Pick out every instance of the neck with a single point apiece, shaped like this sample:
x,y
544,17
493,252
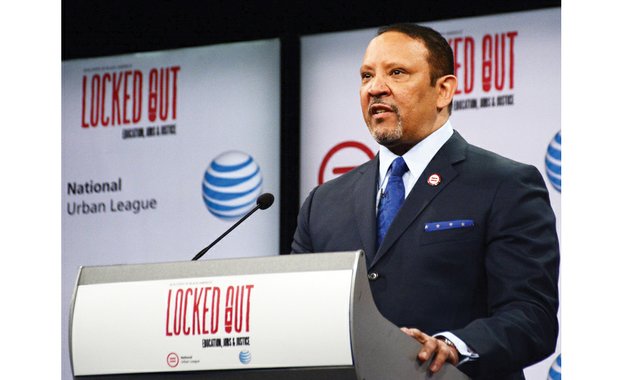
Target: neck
x,y
400,149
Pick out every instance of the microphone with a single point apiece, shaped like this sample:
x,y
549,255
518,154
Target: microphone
x,y
263,202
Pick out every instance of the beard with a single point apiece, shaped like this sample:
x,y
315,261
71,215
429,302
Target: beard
x,y
387,136
383,133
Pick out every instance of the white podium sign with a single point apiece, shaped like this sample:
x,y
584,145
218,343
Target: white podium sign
x,y
210,323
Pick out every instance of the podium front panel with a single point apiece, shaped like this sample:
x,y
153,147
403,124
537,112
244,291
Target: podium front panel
x,y
233,322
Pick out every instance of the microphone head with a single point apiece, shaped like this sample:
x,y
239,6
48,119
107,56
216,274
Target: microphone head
x,y
264,201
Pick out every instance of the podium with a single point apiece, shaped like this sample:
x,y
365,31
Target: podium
x,y
309,316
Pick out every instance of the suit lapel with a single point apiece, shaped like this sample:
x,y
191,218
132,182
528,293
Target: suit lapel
x,y
365,209
422,193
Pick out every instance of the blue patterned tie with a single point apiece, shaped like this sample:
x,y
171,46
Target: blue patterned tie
x,y
392,198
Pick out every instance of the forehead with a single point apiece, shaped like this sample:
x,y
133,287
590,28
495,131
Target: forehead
x,y
394,46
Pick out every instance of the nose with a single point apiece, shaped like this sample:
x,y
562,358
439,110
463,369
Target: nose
x,y
378,87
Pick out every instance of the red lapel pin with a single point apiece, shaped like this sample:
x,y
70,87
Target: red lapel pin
x,y
434,179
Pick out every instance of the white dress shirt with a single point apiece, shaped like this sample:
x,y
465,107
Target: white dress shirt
x,y
417,158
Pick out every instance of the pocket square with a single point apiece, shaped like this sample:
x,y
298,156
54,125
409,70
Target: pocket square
x,y
448,225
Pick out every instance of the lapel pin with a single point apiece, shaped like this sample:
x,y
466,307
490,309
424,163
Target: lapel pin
x,y
434,179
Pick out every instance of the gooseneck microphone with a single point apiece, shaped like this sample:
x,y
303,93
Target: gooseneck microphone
x,y
264,201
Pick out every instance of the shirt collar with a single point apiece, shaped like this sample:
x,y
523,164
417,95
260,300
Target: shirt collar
x,y
418,157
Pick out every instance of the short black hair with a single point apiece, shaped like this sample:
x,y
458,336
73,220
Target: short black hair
x,y
440,57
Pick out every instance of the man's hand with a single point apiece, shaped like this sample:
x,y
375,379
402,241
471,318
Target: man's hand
x,y
433,346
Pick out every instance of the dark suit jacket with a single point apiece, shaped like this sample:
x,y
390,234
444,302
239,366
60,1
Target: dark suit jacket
x,y
494,285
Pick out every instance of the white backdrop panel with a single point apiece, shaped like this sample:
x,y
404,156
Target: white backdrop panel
x,y
219,99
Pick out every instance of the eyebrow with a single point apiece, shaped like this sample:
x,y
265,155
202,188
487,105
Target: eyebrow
x,y
388,64
393,64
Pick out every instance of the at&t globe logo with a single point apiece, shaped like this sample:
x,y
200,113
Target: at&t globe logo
x,y
553,162
555,372
245,357
231,184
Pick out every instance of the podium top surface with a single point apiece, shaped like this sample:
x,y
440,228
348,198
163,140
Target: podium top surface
x,y
219,267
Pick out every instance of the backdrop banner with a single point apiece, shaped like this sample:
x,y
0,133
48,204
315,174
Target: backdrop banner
x,y
164,151
508,100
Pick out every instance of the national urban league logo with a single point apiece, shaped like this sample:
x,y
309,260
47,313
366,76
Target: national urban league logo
x,y
555,372
343,158
231,185
172,359
553,162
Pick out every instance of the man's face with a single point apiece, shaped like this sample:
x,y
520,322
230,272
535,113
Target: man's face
x,y
398,102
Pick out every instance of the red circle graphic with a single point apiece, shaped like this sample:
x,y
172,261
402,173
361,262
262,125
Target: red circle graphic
x,y
172,360
336,149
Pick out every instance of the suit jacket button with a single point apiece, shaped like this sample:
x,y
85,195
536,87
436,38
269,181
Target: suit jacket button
x,y
373,276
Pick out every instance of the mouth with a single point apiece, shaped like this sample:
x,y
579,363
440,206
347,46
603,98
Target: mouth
x,y
380,110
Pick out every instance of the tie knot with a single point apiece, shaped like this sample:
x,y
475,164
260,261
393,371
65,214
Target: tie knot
x,y
399,167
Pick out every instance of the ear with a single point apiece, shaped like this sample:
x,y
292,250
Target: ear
x,y
446,87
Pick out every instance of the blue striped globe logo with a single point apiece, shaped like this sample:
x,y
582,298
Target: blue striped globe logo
x,y
231,184
553,162
555,372
245,357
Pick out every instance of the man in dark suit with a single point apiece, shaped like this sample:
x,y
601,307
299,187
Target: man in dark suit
x,y
468,261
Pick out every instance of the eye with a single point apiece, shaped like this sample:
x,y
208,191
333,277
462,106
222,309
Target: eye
x,y
365,75
397,72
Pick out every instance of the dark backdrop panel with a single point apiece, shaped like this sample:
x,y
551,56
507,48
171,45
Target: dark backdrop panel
x,y
105,27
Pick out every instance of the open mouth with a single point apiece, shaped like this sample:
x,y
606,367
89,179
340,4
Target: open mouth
x,y
380,109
